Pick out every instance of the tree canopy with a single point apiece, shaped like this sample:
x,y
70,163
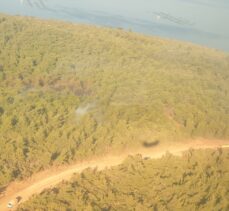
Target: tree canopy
x,y
70,91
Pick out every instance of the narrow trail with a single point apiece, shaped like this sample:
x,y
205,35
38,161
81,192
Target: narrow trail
x,y
48,179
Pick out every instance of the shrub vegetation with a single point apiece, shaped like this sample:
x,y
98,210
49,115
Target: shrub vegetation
x,y
196,181
69,91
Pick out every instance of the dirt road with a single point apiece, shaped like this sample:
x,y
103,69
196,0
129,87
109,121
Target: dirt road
x,y
47,179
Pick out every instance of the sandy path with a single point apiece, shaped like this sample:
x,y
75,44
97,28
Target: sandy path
x,y
47,179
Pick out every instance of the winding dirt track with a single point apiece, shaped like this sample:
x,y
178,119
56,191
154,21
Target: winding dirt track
x,y
47,179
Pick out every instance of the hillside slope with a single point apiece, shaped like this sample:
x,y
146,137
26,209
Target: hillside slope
x,y
70,91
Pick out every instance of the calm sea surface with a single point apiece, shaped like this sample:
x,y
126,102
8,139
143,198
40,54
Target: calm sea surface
x,y
204,22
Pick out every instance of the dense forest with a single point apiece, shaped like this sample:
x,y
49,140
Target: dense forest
x,y
197,181
70,91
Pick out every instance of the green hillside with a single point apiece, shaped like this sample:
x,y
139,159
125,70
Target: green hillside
x,y
69,91
197,181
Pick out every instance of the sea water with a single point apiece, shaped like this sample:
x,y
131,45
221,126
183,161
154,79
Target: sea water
x,y
203,22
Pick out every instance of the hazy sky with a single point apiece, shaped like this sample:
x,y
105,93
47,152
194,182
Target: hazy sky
x,y
199,21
